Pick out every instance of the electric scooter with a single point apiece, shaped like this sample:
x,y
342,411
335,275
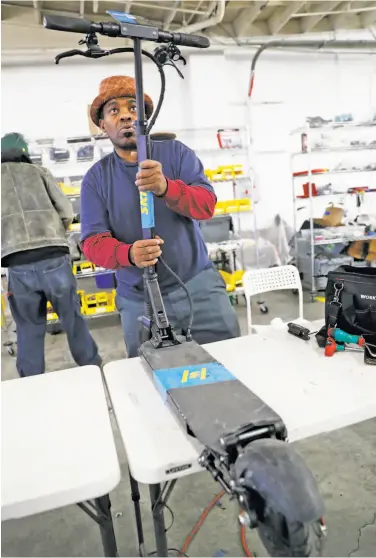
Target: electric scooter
x,y
244,440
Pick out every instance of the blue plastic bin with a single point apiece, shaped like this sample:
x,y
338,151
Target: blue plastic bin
x,y
105,281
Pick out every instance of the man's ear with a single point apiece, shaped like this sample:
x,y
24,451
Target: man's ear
x,y
102,126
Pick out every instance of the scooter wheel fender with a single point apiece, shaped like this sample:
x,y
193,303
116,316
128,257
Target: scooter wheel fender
x,y
279,474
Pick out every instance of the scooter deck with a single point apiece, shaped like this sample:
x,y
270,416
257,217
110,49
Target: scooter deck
x,y
209,401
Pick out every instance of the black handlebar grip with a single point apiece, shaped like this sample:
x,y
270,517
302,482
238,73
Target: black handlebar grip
x,y
70,24
195,41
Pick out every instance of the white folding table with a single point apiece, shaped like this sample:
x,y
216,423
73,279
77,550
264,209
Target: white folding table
x,y
312,393
58,447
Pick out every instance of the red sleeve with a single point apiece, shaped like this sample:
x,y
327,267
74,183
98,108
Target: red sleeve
x,y
191,201
104,250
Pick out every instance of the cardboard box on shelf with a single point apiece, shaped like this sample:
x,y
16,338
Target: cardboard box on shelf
x,y
332,217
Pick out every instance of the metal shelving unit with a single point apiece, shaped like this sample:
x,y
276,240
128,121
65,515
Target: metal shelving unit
x,y
372,168
206,144
341,239
88,317
93,274
317,237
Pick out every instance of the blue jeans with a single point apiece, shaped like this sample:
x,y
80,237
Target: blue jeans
x,y
214,318
30,287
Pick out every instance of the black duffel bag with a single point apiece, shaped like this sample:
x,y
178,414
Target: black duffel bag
x,y
350,303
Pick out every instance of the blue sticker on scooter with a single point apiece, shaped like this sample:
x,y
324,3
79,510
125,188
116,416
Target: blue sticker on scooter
x,y
191,375
147,210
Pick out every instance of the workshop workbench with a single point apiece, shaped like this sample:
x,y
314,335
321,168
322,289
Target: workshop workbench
x,y
312,393
58,447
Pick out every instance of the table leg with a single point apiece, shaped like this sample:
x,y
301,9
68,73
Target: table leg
x,y
158,519
135,493
100,512
106,526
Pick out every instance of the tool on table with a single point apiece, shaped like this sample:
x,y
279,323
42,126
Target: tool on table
x,y
300,331
342,337
332,347
339,341
244,440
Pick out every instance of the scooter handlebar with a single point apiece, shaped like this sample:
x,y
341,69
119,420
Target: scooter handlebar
x,y
112,29
69,24
195,41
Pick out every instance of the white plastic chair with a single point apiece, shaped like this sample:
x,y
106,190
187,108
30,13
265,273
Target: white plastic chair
x,y
259,281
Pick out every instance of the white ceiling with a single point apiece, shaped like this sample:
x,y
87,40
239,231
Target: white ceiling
x,y
225,22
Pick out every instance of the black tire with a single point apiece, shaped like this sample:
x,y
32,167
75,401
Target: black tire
x,y
281,538
264,309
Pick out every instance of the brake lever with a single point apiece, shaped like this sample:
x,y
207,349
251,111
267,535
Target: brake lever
x,y
90,53
67,54
181,59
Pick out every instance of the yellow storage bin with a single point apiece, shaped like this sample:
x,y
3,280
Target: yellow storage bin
x,y
51,314
69,190
3,309
224,172
98,303
81,267
81,294
232,280
74,227
231,171
232,206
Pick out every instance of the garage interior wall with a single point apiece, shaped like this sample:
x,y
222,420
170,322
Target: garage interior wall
x,y
45,100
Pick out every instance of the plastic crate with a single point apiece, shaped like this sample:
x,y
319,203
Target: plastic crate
x,y
98,303
224,172
59,154
217,229
51,314
232,206
105,281
70,189
74,227
80,268
322,266
81,294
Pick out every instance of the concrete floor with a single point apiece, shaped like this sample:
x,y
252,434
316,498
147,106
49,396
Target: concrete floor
x,y
343,461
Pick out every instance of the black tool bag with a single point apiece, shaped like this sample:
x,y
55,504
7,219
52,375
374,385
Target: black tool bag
x,y
350,303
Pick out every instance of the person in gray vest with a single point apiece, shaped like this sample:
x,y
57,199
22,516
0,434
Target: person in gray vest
x,y
35,215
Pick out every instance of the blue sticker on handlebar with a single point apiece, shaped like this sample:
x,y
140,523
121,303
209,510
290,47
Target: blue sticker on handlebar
x,y
147,210
122,17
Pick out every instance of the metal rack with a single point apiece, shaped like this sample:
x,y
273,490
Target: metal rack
x,y
366,171
52,323
321,46
206,144
87,317
8,343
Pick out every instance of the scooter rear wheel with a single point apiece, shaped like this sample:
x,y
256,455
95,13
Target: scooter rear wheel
x,y
290,539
